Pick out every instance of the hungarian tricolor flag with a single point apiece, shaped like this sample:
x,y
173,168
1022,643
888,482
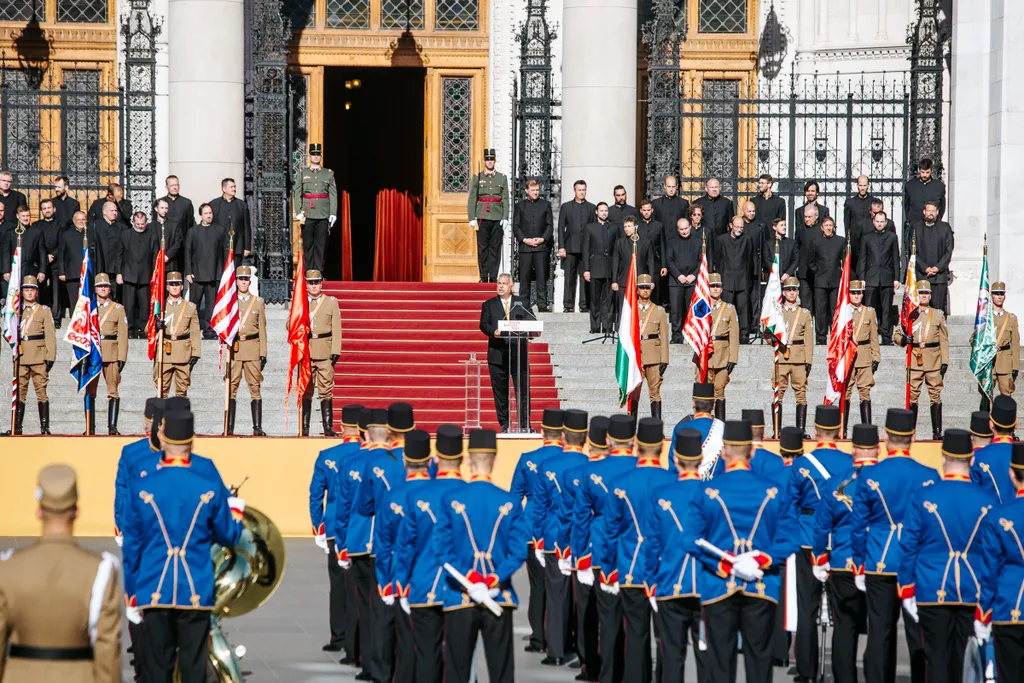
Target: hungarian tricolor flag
x,y
909,310
628,373
156,300
842,347
298,336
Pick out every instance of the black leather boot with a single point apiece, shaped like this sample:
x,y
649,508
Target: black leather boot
x,y
90,417
307,408
801,419
327,417
232,407
865,412
846,420
985,405
720,409
257,418
936,409
19,418
44,417
656,409
913,410
113,409
634,410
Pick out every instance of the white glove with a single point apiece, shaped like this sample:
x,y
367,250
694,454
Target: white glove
x,y
389,600
237,505
404,604
860,582
565,566
910,605
746,568
321,541
301,216
345,564
331,220
473,224
119,540
586,576
539,554
982,631
611,588
134,615
493,593
478,592
821,572
654,603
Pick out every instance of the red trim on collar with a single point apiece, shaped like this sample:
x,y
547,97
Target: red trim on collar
x,y
414,476
648,462
351,439
898,452
696,415
686,476
397,444
175,462
376,446
1020,493
480,477
622,451
1003,439
551,442
955,477
449,474
596,458
826,444
787,462
866,461
737,466
574,449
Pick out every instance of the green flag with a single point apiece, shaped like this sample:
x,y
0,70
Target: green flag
x,y
983,341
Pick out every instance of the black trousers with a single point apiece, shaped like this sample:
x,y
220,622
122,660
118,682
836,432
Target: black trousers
x,y
428,636
362,581
557,608
883,611
755,306
808,606
723,621
587,628
849,617
572,266
71,288
944,633
824,308
740,298
533,268
336,605
1009,647
462,626
939,297
136,305
611,639
677,621
198,291
519,371
880,299
780,636
600,304
488,248
680,296
807,294
314,242
537,601
136,649
636,610
405,646
382,644
175,636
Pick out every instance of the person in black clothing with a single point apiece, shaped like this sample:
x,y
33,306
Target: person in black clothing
x,y
698,229
806,231
669,208
174,241
934,250
683,253
109,246
533,227
916,192
573,218
826,263
758,233
618,211
69,254
718,211
49,293
622,254
180,212
233,214
857,212
123,213
789,255
598,242
768,205
652,229
879,268
65,205
6,232
811,197
141,245
504,358
33,247
205,250
11,199
734,259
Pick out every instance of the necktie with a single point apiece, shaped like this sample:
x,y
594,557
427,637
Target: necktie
x,y
505,304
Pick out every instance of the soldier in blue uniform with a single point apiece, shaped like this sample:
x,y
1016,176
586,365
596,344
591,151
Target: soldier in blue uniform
x,y
482,533
323,494
707,424
999,611
672,571
400,422
590,522
418,574
942,561
526,483
764,461
153,412
981,430
745,516
791,447
807,478
880,505
831,558
172,517
992,463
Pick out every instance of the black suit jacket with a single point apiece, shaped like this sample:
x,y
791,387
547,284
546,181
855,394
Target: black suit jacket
x,y
734,259
532,219
717,214
826,260
499,350
682,257
140,250
598,241
879,260
68,259
573,218
233,214
789,256
622,253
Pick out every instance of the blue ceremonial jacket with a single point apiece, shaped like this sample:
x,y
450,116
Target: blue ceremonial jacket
x,y
712,443
381,471
526,483
553,503
173,515
630,524
833,522
1002,546
352,530
943,558
879,509
482,532
416,570
765,462
805,484
388,522
323,487
123,480
591,508
991,469
672,571
574,477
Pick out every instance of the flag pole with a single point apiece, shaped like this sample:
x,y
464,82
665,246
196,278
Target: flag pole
x,y
19,231
634,398
776,356
705,355
88,403
227,364
910,332
845,274
160,329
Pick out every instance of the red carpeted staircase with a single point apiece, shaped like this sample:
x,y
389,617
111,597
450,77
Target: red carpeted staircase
x,y
402,341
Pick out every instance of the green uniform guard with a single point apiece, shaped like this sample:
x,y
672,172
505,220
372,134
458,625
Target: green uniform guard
x,y
315,201
488,207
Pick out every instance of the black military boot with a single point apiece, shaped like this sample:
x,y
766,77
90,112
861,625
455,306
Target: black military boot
x,y
865,412
913,410
19,417
936,409
327,417
257,418
846,420
232,406
90,417
720,409
44,417
801,419
985,405
656,409
307,407
113,409
634,409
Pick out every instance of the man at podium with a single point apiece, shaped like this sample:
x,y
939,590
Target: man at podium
x,y
506,354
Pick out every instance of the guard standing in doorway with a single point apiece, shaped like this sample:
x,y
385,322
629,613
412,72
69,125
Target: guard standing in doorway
x,y
488,207
315,203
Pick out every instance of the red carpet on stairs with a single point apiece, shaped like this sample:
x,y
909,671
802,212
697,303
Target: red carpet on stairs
x,y
403,341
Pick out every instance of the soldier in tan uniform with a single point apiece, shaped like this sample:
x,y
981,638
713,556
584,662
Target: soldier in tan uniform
x,y
725,339
249,353
1007,342
865,333
182,340
38,350
60,605
930,356
113,348
324,351
795,364
654,338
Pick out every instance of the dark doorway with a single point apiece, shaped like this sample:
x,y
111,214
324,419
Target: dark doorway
x,y
373,139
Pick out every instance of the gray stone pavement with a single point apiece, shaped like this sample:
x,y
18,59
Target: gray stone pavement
x,y
284,636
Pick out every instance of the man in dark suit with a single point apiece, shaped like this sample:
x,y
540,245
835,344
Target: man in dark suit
x,y
140,246
622,254
934,240
233,213
533,229
879,268
573,218
734,260
504,358
769,205
652,229
789,255
621,207
598,240
826,263
683,252
180,212
807,229
718,210
811,195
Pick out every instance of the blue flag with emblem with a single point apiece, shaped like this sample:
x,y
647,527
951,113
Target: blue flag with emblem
x,y
84,329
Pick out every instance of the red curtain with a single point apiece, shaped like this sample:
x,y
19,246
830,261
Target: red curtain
x,y
346,238
398,253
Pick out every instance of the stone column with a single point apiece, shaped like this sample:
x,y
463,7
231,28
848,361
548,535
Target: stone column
x,y
206,94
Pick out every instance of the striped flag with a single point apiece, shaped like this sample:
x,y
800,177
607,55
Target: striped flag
x,y
842,347
697,329
225,308
84,329
983,341
628,373
12,319
909,309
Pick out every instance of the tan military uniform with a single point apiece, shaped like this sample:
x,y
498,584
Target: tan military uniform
x,y
725,335
250,345
1007,351
113,345
182,341
654,338
930,353
38,345
324,342
800,352
865,333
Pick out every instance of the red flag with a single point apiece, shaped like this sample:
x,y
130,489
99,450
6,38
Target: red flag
x,y
298,335
842,347
156,301
225,308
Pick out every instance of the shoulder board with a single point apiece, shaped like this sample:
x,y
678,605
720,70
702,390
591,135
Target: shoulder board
x,y
259,299
660,309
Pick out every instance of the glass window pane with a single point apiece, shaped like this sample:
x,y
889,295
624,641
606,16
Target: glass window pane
x,y
348,13
81,143
457,15
82,11
22,10
299,14
722,16
401,14
456,133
